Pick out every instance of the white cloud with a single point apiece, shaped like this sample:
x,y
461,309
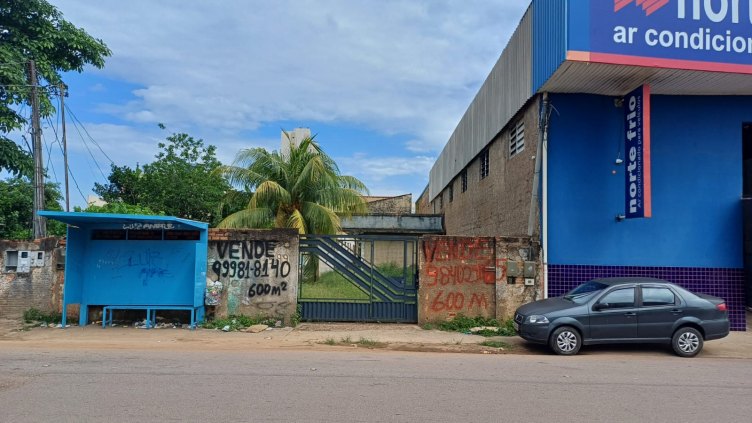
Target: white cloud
x,y
379,168
397,67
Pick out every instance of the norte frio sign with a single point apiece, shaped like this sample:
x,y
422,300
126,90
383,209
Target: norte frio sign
x,y
637,196
714,35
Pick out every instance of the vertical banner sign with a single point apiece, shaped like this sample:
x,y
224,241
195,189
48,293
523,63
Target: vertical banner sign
x,y
637,146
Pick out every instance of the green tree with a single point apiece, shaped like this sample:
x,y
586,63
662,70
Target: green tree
x,y
36,30
180,182
303,190
119,207
16,198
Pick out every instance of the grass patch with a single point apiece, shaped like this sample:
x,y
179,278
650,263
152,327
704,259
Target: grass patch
x,y
332,285
463,324
495,344
238,322
347,341
370,343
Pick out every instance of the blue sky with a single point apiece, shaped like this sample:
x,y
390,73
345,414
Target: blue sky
x,y
382,83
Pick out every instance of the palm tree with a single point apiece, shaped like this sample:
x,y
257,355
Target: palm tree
x,y
303,190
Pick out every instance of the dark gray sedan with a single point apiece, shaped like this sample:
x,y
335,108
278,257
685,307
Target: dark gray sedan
x,y
624,310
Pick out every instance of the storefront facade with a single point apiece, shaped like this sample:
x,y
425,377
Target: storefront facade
x,y
650,187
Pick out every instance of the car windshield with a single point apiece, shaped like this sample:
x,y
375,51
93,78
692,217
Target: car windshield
x,y
585,290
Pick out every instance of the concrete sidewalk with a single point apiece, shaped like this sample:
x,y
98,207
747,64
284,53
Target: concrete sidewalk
x,y
320,336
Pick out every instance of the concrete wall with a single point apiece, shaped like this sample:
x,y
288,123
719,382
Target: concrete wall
x,y
499,204
253,272
476,276
40,286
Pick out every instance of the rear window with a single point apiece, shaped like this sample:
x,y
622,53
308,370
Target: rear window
x,y
655,296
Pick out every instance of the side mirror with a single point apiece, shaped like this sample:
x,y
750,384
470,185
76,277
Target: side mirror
x,y
600,306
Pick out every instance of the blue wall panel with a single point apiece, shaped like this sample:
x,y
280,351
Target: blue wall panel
x,y
549,39
578,25
697,183
74,265
140,272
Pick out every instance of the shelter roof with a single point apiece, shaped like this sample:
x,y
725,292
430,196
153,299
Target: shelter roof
x,y
78,218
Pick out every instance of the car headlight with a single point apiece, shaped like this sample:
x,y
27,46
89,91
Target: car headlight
x,y
535,319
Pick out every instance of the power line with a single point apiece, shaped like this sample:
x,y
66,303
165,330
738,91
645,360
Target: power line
x,y
69,170
75,119
89,150
50,165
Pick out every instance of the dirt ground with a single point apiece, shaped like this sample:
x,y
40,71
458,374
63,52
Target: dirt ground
x,y
314,336
305,336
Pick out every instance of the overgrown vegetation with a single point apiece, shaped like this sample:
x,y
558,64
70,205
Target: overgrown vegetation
x,y
297,317
463,324
237,322
33,315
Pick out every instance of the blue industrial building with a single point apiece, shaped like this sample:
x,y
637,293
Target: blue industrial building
x,y
636,150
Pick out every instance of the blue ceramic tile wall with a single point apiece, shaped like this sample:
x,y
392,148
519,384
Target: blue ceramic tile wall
x,y
724,283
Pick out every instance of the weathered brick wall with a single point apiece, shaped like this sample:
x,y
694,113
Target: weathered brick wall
x,y
517,260
40,286
422,206
499,204
476,276
457,276
398,205
253,272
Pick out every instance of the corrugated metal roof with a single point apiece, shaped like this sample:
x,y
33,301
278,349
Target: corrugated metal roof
x,y
617,80
502,95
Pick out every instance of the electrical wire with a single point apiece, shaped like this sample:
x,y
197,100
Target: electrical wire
x,y
89,150
50,165
75,119
70,171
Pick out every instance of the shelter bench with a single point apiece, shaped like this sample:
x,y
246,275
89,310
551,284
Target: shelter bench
x,y
151,313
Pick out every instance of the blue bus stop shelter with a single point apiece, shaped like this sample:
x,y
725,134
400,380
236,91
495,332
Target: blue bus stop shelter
x,y
118,261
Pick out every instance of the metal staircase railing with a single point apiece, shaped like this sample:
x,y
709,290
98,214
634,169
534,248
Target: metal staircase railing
x,y
358,270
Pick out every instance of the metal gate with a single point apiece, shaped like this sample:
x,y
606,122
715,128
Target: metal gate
x,y
366,278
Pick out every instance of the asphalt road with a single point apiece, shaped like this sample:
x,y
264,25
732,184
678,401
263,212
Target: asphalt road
x,y
374,386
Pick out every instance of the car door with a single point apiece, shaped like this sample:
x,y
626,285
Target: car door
x,y
659,308
614,315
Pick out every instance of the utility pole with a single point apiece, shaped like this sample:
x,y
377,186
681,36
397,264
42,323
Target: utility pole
x,y
65,146
38,222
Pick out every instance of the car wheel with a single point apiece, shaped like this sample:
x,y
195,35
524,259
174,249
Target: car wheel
x,y
687,342
565,341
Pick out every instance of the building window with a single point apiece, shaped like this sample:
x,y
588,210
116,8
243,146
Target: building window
x,y
451,192
484,164
441,201
517,138
463,177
